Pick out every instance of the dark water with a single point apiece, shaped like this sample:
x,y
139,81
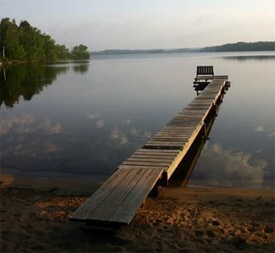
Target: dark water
x,y
81,120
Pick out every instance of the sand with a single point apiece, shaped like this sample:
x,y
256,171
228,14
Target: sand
x,y
179,220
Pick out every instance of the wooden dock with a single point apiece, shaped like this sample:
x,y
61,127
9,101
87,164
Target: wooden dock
x,y
116,202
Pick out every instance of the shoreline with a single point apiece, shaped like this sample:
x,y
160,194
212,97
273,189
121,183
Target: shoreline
x,y
192,219
87,185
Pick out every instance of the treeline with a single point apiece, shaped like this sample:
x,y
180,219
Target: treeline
x,y
232,47
13,81
242,46
24,42
143,51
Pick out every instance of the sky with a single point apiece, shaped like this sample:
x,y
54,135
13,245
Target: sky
x,y
146,24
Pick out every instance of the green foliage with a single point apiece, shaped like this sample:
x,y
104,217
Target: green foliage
x,y
242,46
27,43
25,80
80,53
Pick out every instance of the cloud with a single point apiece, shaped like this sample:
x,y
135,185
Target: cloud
x,y
139,133
119,136
50,147
99,123
261,129
220,167
126,122
51,128
18,124
92,116
27,123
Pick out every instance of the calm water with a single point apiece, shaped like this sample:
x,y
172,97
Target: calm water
x,y
81,120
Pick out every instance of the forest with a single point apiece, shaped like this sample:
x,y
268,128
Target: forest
x,y
230,47
242,46
24,42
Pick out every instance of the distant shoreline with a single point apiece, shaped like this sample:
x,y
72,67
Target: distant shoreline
x,y
230,47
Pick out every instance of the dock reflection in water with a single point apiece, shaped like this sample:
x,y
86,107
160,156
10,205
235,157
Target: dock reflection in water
x,y
81,120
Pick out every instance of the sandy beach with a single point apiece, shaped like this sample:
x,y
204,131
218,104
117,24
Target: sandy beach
x,y
179,220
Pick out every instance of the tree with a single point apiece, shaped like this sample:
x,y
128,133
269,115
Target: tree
x,y
62,52
10,40
80,52
27,43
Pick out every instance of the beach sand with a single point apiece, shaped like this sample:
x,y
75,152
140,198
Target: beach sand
x,y
179,220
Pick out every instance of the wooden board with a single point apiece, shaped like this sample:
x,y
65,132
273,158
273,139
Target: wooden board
x,y
122,198
119,198
127,210
106,208
100,195
151,163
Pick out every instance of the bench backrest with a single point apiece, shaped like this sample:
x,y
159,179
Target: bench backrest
x,y
205,70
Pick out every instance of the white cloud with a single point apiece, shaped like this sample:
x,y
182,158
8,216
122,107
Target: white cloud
x,y
259,129
26,123
99,123
92,116
18,124
119,136
126,122
51,128
146,24
114,134
219,167
50,147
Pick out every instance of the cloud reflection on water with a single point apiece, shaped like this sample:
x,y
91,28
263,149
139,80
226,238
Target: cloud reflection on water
x,y
37,143
227,168
18,124
261,129
25,139
99,123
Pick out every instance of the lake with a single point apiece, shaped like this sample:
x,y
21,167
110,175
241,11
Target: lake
x,y
80,120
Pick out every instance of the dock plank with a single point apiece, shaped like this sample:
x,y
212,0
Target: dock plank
x,y
118,199
115,198
100,195
127,210
147,163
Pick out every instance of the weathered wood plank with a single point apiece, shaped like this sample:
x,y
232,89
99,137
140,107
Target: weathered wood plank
x,y
190,115
147,163
172,138
162,156
185,121
197,107
164,146
133,167
118,199
114,199
161,152
100,195
166,142
171,133
172,130
154,159
127,210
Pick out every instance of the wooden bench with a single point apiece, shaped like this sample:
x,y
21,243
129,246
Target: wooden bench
x,y
203,77
204,73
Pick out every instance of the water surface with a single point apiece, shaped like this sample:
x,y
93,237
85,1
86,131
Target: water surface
x,y
81,120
